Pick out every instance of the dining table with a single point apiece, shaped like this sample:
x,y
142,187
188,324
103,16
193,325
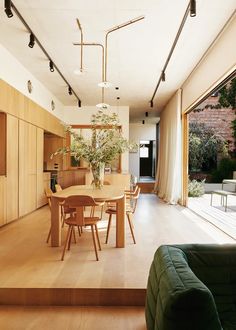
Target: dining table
x,y
107,193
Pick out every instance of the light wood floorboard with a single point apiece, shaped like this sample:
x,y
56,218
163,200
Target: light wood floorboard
x,y
72,318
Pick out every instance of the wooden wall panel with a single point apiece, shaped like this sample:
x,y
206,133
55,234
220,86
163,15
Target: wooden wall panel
x,y
2,143
12,168
27,168
2,200
16,104
41,198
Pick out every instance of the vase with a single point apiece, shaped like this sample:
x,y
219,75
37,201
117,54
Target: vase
x,y
98,175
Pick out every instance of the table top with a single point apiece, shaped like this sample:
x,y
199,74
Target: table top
x,y
106,193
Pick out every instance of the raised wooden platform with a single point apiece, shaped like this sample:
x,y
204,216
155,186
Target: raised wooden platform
x,y
146,187
33,274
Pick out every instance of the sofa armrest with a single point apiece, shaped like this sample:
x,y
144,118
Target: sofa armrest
x,y
176,298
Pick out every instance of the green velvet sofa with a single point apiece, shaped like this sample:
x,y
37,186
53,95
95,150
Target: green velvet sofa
x,y
192,287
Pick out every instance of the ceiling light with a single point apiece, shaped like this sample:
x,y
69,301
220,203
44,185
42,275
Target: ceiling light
x,y
8,8
32,41
79,103
143,122
103,106
105,84
151,103
146,114
51,66
70,90
78,72
192,8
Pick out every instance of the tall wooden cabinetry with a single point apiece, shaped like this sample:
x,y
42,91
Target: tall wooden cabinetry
x,y
12,190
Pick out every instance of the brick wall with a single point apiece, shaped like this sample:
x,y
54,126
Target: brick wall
x,y
218,119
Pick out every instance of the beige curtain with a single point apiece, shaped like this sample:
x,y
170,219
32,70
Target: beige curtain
x,y
168,178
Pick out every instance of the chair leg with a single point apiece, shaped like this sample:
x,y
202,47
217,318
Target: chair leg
x,y
71,232
49,234
99,244
79,230
67,238
131,227
108,227
74,234
94,242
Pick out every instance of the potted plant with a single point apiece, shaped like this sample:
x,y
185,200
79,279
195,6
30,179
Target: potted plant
x,y
105,144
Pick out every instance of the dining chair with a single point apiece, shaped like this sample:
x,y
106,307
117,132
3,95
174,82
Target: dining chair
x,y
48,192
130,207
78,219
64,209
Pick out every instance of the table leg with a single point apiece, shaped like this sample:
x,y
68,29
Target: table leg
x,y
55,222
120,223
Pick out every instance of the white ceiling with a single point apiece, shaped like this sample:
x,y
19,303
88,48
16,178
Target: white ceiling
x,y
136,53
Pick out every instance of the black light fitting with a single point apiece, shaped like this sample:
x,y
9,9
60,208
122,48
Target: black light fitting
x,y
143,122
163,76
8,8
32,41
146,114
118,98
51,66
151,103
79,103
192,8
70,90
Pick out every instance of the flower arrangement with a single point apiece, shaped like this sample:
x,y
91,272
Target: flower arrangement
x,y
105,144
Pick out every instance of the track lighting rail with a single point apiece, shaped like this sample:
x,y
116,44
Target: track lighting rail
x,y
51,62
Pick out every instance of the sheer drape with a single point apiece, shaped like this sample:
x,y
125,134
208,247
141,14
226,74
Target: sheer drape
x,y
168,178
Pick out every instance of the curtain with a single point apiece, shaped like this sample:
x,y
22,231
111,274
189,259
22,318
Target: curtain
x,y
168,177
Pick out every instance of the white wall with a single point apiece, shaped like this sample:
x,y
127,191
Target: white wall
x,y
16,75
138,132
82,116
217,63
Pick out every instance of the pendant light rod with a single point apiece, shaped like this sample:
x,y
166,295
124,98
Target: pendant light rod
x,y
81,44
102,47
41,47
171,52
115,28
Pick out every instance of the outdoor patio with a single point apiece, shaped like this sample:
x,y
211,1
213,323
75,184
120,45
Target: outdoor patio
x,y
215,214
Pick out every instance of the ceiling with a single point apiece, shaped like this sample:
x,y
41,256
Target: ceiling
x,y
136,53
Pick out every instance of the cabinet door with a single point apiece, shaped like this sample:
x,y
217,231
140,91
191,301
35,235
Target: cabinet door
x,y
2,200
12,210
27,168
41,198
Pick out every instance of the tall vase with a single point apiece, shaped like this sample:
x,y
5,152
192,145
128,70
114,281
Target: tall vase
x,y
98,175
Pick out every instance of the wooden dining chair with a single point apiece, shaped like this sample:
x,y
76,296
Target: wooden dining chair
x,y
78,219
130,207
48,192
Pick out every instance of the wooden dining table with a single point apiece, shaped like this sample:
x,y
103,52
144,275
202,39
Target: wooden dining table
x,y
112,193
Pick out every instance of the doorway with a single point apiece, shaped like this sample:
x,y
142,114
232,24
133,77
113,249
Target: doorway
x,y
147,160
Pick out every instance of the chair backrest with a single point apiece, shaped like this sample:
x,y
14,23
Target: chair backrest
x,y
79,202
58,187
48,192
134,199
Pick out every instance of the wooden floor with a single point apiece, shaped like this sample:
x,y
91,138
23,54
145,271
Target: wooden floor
x,y
72,318
27,262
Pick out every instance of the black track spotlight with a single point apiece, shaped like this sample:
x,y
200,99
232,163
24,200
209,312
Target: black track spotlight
x,y
146,114
163,76
79,104
51,66
143,122
32,41
8,8
69,90
192,8
151,103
